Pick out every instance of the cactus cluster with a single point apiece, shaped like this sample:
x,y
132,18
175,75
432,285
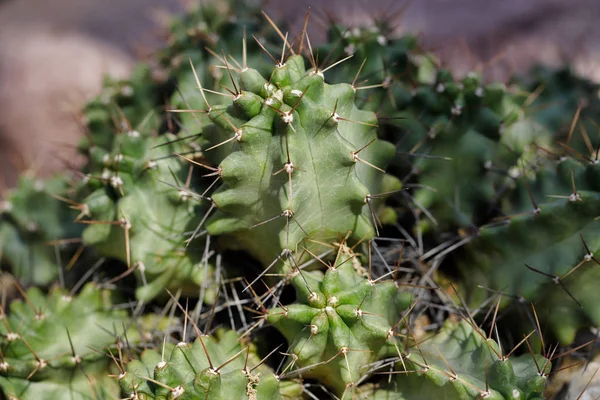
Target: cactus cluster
x,y
338,220
212,367
461,362
53,345
341,322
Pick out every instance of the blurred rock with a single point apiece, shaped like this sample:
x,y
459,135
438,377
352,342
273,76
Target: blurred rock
x,y
45,76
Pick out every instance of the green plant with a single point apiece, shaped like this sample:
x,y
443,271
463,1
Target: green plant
x,y
134,215
546,254
460,362
341,322
298,160
299,167
30,221
53,346
212,367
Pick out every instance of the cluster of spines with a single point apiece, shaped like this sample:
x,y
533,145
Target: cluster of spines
x,y
220,366
54,344
341,322
228,127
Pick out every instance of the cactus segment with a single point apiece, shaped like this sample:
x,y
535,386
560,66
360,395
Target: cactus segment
x,y
461,363
56,343
31,219
298,160
212,367
142,220
340,323
545,256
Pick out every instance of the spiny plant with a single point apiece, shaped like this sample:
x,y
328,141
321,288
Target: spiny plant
x,y
545,253
341,322
134,215
296,166
565,102
127,197
297,160
53,345
458,141
138,103
34,228
219,366
461,362
204,36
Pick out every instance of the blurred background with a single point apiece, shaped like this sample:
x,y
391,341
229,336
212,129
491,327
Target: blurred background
x,y
54,54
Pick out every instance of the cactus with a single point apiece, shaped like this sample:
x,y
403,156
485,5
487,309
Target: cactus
x,y
564,102
545,255
461,139
461,363
296,163
134,215
212,367
341,322
30,220
55,344
298,160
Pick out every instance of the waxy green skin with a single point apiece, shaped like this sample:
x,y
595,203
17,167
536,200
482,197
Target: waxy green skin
x,y
559,92
472,367
185,372
329,187
85,321
146,213
31,218
549,241
460,139
340,323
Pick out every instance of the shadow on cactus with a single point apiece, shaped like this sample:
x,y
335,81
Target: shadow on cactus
x,y
545,254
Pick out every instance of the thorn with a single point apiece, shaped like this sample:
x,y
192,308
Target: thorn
x,y
574,121
209,108
277,64
237,135
303,34
237,92
356,158
556,280
336,63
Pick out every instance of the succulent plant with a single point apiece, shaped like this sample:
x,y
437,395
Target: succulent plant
x,y
53,345
298,160
564,102
212,367
459,142
134,214
32,219
340,323
544,254
460,362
